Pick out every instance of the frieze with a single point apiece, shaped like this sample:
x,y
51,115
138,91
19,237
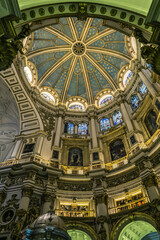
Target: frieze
x,y
75,186
123,179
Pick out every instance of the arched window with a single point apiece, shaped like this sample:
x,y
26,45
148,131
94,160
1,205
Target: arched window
x,y
134,101
150,122
48,97
82,129
76,106
117,118
104,124
117,149
143,90
28,74
127,77
75,157
105,100
69,128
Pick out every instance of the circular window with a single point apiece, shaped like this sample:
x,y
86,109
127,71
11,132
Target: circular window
x,y
28,74
105,100
127,77
76,106
8,215
48,97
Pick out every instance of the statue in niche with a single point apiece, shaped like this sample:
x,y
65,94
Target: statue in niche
x,y
75,157
117,149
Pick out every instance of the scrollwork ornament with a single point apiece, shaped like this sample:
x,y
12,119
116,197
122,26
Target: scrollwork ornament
x,y
27,192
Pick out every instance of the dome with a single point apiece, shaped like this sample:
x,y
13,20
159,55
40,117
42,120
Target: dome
x,y
78,58
47,225
49,219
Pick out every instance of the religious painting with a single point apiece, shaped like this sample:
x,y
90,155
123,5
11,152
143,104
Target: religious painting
x,y
75,157
28,148
117,150
95,156
150,122
55,154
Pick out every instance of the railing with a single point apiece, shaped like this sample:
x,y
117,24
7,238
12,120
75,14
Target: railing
x,y
71,213
128,206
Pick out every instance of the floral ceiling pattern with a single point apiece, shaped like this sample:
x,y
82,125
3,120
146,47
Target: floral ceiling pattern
x,y
78,58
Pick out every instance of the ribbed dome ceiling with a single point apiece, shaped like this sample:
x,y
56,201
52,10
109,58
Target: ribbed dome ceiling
x,y
78,58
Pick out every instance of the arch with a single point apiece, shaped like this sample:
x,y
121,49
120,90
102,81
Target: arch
x,y
123,222
133,13
9,121
150,122
82,227
117,149
32,117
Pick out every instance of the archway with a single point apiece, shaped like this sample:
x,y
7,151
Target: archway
x,y
9,121
137,230
137,226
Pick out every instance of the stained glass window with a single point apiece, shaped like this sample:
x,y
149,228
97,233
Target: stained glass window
x,y
105,100
82,129
69,128
28,74
143,90
48,97
76,106
127,77
117,118
104,124
134,101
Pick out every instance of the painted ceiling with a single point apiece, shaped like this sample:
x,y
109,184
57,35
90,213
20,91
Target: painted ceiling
x,y
78,58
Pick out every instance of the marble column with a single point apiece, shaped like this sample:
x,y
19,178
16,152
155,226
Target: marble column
x,y
47,202
17,149
38,145
26,194
102,216
58,131
76,129
94,134
147,82
126,116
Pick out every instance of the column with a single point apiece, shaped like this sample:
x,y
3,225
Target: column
x,y
76,128
126,116
47,203
17,149
38,145
102,216
94,134
151,186
147,82
58,131
26,194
